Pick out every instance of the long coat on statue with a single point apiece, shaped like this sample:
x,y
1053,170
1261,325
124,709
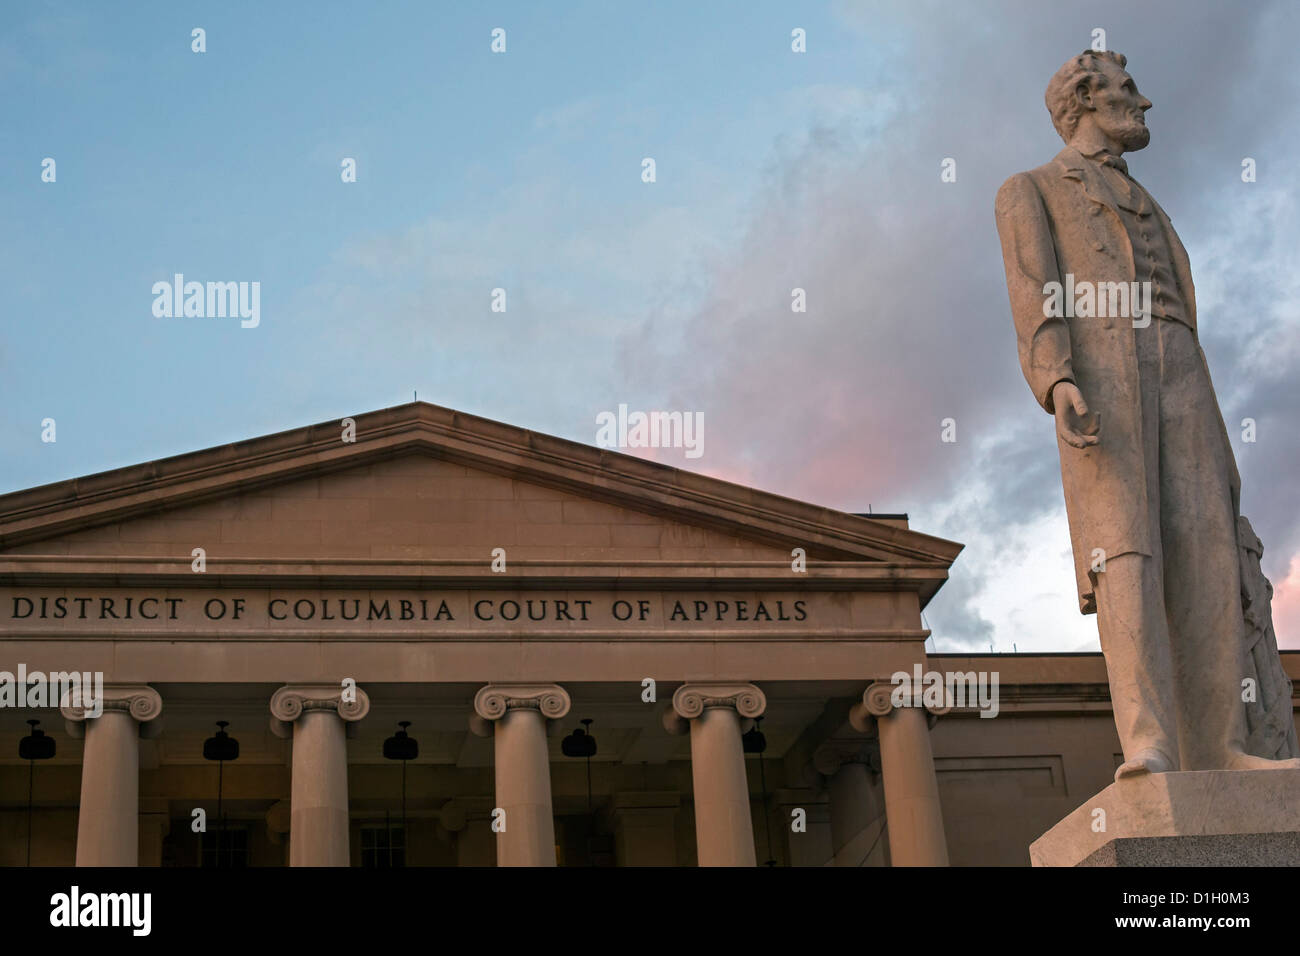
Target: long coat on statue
x,y
1061,219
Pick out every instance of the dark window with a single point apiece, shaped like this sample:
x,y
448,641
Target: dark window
x,y
579,842
382,846
224,848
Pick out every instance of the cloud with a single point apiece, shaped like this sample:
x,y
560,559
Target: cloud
x,y
908,323
678,295
1286,607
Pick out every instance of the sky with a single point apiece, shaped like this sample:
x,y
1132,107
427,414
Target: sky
x,y
522,170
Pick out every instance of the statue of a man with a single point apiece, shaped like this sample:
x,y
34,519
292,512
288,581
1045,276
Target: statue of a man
x,y
1151,485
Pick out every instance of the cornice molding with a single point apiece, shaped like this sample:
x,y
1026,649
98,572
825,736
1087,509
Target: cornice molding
x,y
130,570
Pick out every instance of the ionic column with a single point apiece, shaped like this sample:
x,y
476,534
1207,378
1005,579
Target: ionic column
x,y
855,817
724,832
108,825
517,715
316,716
912,808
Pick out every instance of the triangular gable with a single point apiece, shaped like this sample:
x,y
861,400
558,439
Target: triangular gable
x,y
404,477
409,507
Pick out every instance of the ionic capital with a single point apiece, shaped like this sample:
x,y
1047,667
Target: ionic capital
x,y
493,700
878,701
293,700
141,701
691,700
832,754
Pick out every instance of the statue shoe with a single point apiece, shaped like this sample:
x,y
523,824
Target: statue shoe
x,y
1146,760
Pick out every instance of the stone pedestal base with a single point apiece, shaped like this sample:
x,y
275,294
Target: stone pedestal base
x,y
1193,818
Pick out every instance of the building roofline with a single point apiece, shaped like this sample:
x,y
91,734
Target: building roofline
x,y
66,506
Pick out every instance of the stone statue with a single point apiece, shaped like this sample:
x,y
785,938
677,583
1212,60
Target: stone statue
x,y
1105,315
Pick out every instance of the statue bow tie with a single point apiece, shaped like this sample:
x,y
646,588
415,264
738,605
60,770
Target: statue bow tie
x,y
1115,162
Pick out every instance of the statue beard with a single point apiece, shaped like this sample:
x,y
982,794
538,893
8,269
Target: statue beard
x,y
1133,135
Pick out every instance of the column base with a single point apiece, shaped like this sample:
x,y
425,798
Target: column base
x,y
1186,818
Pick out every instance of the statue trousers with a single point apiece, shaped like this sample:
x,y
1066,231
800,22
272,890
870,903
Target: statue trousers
x,y
1171,622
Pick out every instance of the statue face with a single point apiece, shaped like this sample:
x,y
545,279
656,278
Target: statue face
x,y
1118,109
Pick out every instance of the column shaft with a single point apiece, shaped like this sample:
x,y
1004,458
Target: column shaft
x,y
315,717
319,801
724,831
108,827
523,789
516,715
912,808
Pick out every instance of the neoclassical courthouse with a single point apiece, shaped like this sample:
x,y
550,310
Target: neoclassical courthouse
x,y
515,598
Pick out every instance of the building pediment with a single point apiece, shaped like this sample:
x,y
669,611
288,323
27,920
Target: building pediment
x,y
424,490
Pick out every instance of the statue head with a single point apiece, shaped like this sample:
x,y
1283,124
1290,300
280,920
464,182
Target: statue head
x,y
1094,102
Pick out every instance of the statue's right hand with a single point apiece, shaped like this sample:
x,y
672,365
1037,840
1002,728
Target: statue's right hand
x,y
1074,424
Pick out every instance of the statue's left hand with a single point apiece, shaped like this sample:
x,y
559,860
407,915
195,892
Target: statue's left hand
x,y
1074,423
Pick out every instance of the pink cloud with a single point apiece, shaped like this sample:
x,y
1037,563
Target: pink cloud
x,y
1286,607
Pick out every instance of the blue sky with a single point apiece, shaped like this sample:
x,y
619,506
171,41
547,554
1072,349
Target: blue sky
x,y
225,165
522,170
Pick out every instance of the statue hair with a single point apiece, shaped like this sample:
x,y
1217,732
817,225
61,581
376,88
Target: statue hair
x,y
1062,104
